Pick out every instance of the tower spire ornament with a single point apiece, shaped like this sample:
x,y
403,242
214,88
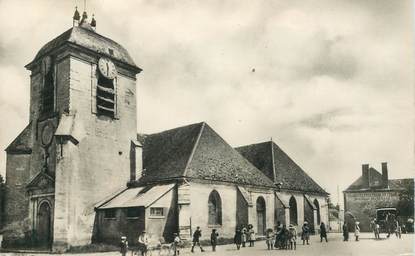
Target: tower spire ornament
x,y
93,23
76,17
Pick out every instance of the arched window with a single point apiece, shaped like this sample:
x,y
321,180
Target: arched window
x,y
318,210
48,93
261,215
215,209
293,211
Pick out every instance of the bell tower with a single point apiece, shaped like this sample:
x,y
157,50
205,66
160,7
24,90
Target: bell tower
x,y
75,151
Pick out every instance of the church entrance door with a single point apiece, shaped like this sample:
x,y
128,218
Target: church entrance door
x,y
44,225
261,217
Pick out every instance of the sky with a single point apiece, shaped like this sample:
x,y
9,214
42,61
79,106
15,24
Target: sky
x,y
330,81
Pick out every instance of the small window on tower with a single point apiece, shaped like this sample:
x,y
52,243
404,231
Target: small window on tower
x,y
48,92
105,97
106,93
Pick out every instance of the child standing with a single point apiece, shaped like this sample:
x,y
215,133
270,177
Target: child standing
x,y
244,237
176,244
292,237
270,239
123,246
214,239
357,230
251,235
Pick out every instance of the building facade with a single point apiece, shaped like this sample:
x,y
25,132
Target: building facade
x,y
81,127
79,173
373,190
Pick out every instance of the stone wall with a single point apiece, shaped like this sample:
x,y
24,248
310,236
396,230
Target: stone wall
x,y
229,195
16,215
100,164
362,205
163,227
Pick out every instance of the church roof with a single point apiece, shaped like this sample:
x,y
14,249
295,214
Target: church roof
x,y
90,40
21,144
268,156
196,151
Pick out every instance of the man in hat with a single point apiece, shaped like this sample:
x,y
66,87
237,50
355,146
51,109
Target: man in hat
x,y
306,233
196,239
143,243
345,232
214,239
323,232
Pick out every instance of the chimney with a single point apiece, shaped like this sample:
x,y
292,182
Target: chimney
x,y
385,179
365,175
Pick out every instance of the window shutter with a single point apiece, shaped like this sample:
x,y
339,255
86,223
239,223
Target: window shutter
x,y
94,82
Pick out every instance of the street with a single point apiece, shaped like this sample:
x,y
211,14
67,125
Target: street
x,y
366,246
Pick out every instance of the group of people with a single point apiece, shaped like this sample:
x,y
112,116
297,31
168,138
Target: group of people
x,y
346,231
283,238
391,225
243,236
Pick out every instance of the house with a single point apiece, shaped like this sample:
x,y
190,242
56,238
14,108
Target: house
x,y
374,190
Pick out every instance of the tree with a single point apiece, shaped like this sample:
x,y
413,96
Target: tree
x,y
405,204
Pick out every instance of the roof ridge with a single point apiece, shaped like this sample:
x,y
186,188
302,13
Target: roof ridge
x,y
299,167
173,129
273,161
194,149
16,139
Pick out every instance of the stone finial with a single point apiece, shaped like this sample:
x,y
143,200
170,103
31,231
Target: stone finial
x,y
93,22
76,17
84,17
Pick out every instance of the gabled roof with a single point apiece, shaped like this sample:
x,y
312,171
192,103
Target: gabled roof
x,y
196,151
375,181
90,40
394,184
41,180
270,158
22,143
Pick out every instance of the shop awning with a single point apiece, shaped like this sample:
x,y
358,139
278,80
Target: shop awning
x,y
135,197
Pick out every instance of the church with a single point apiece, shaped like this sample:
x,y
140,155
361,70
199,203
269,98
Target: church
x,y
79,173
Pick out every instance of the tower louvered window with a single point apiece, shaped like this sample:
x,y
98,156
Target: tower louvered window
x,y
48,94
105,97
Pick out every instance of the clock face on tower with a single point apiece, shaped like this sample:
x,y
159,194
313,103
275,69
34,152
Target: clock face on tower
x,y
107,68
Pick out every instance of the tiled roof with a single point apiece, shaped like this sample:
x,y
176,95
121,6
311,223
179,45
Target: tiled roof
x,y
268,156
196,151
375,179
401,184
90,40
21,144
